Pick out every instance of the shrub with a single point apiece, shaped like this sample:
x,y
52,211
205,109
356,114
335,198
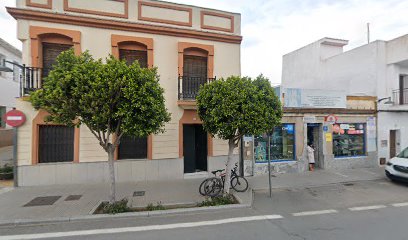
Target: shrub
x,y
152,207
218,201
116,207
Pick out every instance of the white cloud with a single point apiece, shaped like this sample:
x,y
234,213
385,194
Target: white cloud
x,y
8,26
274,28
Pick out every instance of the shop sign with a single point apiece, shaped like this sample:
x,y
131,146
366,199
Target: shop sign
x,y
309,119
329,137
345,126
314,98
248,138
331,119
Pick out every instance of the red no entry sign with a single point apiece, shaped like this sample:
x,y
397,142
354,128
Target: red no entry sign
x,y
15,118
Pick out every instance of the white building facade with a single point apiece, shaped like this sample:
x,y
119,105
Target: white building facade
x,y
378,69
9,81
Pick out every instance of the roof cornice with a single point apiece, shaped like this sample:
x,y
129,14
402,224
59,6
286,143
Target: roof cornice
x,y
27,14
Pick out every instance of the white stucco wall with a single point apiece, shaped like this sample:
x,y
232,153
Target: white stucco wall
x,y
9,81
369,70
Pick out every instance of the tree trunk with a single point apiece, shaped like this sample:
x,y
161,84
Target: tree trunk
x,y
112,197
227,183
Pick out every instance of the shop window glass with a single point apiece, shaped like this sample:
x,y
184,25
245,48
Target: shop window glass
x,y
281,144
349,139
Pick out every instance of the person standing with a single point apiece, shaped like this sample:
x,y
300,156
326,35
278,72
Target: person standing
x,y
310,156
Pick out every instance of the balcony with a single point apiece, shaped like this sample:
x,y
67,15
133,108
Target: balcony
x,y
31,79
400,96
188,87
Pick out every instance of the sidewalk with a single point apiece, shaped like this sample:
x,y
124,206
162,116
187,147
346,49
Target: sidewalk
x,y
12,203
316,178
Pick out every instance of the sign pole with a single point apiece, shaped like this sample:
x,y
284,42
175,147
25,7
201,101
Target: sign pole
x,y
15,119
269,166
15,173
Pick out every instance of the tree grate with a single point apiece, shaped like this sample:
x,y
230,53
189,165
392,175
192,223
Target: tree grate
x,y
42,201
73,197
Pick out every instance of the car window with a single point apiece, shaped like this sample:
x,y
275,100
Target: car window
x,y
403,154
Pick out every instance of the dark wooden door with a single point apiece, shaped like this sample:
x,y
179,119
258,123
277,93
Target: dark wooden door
x,y
393,149
189,148
50,53
56,144
194,75
134,55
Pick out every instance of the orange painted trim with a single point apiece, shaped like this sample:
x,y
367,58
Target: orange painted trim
x,y
28,14
182,46
165,6
116,40
150,147
186,103
39,120
191,117
29,3
40,34
67,8
206,13
362,98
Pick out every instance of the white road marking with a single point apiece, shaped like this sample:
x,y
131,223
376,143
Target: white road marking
x,y
314,212
140,229
340,174
367,208
403,204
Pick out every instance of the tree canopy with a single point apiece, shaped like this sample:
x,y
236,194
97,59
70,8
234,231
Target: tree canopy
x,y
233,107
237,106
112,98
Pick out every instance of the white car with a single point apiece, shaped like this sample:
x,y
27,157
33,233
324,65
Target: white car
x,y
397,168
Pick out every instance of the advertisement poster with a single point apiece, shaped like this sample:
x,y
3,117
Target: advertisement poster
x,y
314,98
260,152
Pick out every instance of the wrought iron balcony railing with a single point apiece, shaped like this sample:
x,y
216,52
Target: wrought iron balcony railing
x,y
31,79
188,86
400,96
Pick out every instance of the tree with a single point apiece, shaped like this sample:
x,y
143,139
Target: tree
x,y
112,99
233,107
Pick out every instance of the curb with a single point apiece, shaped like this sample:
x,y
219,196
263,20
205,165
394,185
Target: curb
x,y
22,222
6,189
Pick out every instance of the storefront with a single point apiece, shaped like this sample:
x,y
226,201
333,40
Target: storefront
x,y
348,141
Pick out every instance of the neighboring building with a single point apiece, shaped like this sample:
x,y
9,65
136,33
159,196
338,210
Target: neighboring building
x,y
349,143
9,81
378,69
189,45
9,91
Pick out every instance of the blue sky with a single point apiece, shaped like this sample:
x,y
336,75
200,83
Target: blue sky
x,y
272,28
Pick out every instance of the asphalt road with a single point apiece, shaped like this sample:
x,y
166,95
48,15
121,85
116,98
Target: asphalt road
x,y
363,210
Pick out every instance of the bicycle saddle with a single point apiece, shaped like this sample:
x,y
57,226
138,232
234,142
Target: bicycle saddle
x,y
216,171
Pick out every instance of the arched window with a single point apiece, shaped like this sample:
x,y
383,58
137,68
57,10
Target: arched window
x,y
133,51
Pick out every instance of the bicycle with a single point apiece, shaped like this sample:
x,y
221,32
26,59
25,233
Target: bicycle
x,y
213,186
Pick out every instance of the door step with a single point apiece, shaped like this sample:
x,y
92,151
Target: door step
x,y
196,175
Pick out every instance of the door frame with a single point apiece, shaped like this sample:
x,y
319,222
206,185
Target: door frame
x,y
319,161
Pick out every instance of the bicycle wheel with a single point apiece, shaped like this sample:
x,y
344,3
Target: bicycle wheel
x,y
239,184
205,185
213,187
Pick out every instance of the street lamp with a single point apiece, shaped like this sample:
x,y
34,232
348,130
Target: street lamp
x,y
4,68
389,101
